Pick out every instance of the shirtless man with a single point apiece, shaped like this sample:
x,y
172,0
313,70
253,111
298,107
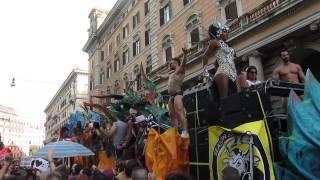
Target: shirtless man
x,y
176,109
288,71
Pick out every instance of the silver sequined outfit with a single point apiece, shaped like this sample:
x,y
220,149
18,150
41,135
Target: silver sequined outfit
x,y
225,59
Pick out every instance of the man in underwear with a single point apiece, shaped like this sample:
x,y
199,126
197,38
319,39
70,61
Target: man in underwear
x,y
176,109
288,71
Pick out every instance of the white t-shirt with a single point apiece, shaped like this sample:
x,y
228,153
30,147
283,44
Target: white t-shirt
x,y
251,83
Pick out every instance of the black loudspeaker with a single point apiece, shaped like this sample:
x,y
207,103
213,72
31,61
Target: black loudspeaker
x,y
203,93
201,99
198,152
200,172
244,102
236,119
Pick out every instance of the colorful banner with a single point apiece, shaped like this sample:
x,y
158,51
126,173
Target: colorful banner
x,y
240,153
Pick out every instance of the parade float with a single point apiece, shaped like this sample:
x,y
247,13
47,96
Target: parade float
x,y
231,142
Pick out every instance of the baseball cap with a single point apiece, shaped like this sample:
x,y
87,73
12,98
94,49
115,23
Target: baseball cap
x,y
140,119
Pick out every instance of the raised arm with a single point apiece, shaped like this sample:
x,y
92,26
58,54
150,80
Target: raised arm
x,y
300,73
211,50
183,62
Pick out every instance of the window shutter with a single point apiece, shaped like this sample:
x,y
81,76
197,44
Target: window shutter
x,y
133,22
161,16
170,10
168,54
185,2
146,35
102,55
134,49
138,18
231,11
124,58
195,38
146,7
123,32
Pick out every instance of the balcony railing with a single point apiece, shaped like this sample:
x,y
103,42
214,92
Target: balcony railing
x,y
260,13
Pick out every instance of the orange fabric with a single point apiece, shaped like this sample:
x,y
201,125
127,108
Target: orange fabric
x,y
166,153
150,149
106,162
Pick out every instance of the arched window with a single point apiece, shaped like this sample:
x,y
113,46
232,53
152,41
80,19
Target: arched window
x,y
167,45
193,30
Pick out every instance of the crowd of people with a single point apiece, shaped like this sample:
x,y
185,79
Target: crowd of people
x,y
118,148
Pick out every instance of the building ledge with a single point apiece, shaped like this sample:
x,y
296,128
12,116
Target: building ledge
x,y
259,15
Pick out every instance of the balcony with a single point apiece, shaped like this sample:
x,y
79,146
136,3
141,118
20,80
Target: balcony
x,y
259,15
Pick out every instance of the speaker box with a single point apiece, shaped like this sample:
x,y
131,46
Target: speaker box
x,y
198,136
199,152
236,119
203,93
200,172
244,101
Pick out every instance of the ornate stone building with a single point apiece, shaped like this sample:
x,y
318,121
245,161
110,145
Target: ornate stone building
x,y
153,31
69,98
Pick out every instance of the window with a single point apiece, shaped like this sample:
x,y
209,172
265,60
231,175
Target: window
x,y
126,80
193,29
133,2
117,87
126,31
109,69
149,64
110,49
102,55
165,14
147,37
146,7
118,40
195,36
168,53
136,47
185,2
126,56
137,74
135,20
116,65
231,11
101,78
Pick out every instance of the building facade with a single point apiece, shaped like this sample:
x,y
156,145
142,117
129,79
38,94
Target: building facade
x,y
69,98
151,32
18,133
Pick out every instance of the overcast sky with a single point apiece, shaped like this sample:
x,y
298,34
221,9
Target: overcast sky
x,y
40,43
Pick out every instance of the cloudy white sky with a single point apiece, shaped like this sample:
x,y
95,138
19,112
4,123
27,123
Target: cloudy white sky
x,y
40,43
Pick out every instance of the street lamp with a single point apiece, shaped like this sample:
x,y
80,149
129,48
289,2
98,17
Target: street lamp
x,y
13,84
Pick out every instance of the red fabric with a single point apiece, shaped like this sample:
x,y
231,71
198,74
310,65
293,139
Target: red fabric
x,y
4,152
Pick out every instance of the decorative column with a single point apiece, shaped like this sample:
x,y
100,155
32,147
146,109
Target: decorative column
x,y
256,60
